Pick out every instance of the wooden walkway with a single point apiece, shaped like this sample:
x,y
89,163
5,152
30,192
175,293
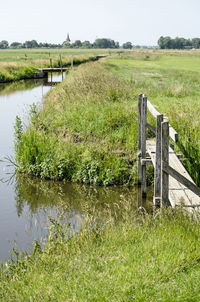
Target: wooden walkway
x,y
172,183
51,69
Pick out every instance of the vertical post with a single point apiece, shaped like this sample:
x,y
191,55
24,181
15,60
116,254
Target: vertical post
x,y
157,171
72,62
51,67
61,66
41,62
143,144
165,158
140,98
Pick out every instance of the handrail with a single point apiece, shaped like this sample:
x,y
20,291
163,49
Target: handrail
x,y
160,157
172,132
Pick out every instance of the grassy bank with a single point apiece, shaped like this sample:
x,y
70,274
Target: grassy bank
x,y
86,131
139,258
21,64
87,128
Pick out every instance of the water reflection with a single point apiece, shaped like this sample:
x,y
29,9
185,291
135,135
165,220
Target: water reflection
x,y
11,88
26,203
39,195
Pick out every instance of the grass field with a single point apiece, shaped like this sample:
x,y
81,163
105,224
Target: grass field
x,y
171,83
35,55
135,258
89,122
24,63
86,131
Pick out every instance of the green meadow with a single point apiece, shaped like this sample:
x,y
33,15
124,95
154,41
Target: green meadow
x,y
87,128
31,55
86,131
18,64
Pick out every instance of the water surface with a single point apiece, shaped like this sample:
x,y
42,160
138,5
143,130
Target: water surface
x,y
25,202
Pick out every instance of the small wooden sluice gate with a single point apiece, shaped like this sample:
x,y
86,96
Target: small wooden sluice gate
x,y
172,183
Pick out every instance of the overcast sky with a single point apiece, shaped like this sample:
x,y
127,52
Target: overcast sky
x,y
138,21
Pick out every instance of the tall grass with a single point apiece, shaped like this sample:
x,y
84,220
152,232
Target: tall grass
x,y
86,131
134,258
171,82
15,71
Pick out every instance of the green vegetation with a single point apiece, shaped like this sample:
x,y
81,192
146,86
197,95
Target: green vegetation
x,y
86,132
171,82
98,43
23,64
136,257
178,43
87,129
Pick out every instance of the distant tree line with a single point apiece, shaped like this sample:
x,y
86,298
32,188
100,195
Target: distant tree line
x,y
98,43
178,43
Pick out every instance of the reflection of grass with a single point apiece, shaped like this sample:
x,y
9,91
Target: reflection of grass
x,y
38,194
9,88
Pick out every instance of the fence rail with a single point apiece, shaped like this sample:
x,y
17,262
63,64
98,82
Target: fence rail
x,y
160,156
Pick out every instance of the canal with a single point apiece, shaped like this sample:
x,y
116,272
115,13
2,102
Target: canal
x,y
27,203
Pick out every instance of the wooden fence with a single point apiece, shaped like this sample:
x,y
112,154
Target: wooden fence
x,y
163,149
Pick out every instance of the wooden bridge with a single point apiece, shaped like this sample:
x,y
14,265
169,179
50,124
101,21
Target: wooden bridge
x,y
172,183
51,69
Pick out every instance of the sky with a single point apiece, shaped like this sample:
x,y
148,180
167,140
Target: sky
x,y
138,21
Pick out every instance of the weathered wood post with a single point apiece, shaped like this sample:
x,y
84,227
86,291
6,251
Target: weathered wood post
x,y
61,66
143,144
140,98
164,160
157,170
41,62
51,68
72,62
142,116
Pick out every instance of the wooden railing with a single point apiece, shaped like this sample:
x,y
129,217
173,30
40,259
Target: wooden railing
x,y
162,169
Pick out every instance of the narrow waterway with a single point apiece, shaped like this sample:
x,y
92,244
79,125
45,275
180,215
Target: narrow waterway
x,y
27,203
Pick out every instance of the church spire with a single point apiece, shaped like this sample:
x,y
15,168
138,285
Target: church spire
x,y
68,38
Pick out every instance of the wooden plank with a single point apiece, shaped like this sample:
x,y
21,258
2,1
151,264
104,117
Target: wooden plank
x,y
186,182
176,192
143,143
172,133
56,69
165,158
152,109
179,195
151,128
139,138
146,161
157,170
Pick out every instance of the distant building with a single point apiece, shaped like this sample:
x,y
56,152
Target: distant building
x,y
68,38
